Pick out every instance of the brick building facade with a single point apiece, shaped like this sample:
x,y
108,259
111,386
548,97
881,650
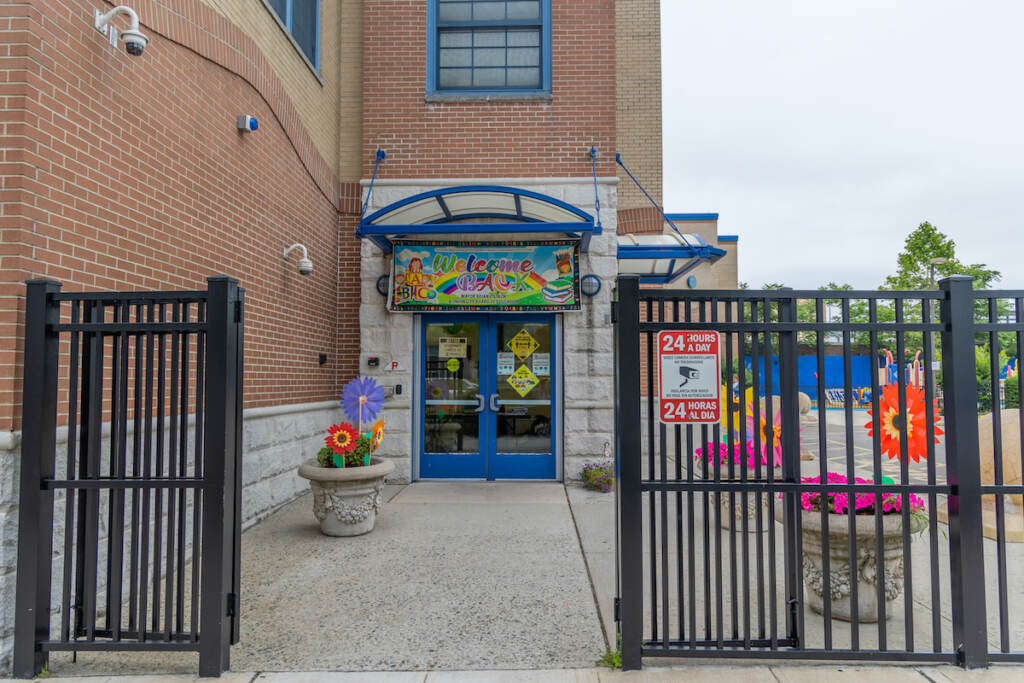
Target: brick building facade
x,y
123,173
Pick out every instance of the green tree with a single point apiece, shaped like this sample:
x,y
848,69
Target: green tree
x,y
913,272
914,262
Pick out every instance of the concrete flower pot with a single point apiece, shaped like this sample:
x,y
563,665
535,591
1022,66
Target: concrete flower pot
x,y
735,513
866,572
346,499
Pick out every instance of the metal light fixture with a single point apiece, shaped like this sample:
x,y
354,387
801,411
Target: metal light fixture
x,y
590,285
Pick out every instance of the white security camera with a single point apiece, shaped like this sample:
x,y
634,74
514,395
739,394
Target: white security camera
x,y
134,40
305,265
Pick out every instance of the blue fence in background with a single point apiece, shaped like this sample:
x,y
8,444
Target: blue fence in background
x,y
860,373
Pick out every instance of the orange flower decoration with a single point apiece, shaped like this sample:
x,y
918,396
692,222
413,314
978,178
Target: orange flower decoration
x,y
916,426
377,435
342,438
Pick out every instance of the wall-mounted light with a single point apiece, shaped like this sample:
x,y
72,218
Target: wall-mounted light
x,y
382,285
305,265
590,285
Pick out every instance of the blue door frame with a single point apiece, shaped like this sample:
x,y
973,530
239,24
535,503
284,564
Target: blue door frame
x,y
488,463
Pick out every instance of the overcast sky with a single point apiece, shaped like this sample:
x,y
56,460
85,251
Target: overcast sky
x,y
823,131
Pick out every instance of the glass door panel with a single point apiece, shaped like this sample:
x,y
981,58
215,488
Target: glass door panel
x,y
522,399
453,401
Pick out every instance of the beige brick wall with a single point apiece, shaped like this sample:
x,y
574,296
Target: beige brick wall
x,y
726,271
638,98
328,101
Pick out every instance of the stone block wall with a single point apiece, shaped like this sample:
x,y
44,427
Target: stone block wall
x,y
588,370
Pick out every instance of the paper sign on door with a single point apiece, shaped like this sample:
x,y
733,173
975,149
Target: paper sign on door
x,y
522,380
506,362
541,364
523,344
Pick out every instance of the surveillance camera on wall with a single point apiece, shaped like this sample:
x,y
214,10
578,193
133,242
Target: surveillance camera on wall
x,y
134,40
305,265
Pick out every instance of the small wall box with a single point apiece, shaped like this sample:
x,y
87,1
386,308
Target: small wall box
x,y
247,124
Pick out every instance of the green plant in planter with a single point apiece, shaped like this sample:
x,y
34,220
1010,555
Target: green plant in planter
x,y
348,448
599,476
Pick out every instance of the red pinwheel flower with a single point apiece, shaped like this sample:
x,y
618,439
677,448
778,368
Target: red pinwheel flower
x,y
342,438
892,423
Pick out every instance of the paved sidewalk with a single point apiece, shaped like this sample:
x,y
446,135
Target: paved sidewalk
x,y
689,674
455,576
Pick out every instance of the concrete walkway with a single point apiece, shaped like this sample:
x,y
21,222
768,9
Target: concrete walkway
x,y
688,674
454,576
458,583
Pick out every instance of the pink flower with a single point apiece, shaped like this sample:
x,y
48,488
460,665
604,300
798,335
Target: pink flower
x,y
838,502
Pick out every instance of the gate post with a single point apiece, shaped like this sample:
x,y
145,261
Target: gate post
x,y
38,453
960,393
218,506
789,411
627,470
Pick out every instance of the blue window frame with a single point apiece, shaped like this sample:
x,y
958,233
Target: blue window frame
x,y
488,46
302,20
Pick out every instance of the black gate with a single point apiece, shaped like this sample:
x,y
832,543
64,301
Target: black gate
x,y
723,553
137,525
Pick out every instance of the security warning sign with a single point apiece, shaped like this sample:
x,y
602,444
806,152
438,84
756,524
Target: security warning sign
x,y
689,377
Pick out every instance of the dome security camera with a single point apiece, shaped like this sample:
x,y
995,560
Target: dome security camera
x,y
305,265
134,42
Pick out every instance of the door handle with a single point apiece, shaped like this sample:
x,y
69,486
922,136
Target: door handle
x,y
480,403
494,403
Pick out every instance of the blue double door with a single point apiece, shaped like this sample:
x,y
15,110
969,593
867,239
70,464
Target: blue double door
x,y
488,397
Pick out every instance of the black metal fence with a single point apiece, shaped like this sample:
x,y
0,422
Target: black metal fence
x,y
137,525
735,539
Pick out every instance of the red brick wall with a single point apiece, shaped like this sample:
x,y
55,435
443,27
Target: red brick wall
x,y
489,139
124,173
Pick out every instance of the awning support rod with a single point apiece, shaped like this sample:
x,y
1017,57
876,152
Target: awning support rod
x,y
380,157
618,160
597,199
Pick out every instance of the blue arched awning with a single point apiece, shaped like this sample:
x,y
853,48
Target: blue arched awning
x,y
662,258
472,210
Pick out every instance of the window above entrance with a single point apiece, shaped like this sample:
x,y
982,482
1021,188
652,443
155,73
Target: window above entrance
x,y
476,210
488,47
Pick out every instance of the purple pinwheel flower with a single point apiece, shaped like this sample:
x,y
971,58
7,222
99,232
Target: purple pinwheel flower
x,y
366,392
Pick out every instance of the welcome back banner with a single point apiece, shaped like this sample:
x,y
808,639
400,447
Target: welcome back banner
x,y
485,276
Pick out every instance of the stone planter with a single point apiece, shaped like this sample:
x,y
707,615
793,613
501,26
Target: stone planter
x,y
866,562
736,512
346,500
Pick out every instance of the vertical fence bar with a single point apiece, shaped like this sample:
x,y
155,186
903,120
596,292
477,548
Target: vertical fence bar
x,y
826,559
218,475
901,394
236,584
38,453
789,413
627,371
71,495
997,465
92,434
876,469
965,526
927,339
